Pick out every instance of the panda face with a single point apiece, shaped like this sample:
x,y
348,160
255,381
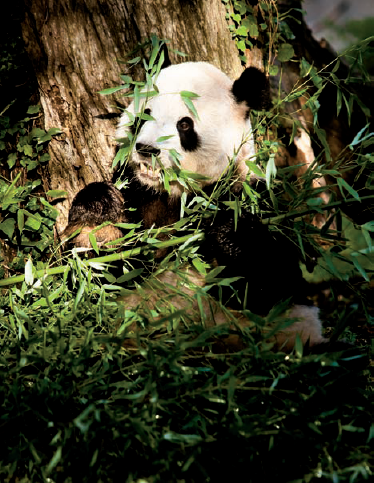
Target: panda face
x,y
206,144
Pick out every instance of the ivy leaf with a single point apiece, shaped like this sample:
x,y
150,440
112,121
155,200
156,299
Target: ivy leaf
x,y
12,158
44,158
273,70
32,165
48,136
27,149
33,109
242,31
37,132
285,52
240,45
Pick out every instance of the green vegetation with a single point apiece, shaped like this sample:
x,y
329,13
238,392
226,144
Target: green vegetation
x,y
81,402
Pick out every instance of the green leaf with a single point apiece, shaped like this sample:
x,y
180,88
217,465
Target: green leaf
x,y
32,165
343,184
27,149
12,158
57,193
33,223
338,101
20,220
369,226
54,460
44,158
130,275
189,94
33,109
295,95
112,90
7,227
285,52
122,153
240,45
37,132
163,138
359,139
186,98
273,70
255,169
359,268
53,131
242,31
93,242
48,136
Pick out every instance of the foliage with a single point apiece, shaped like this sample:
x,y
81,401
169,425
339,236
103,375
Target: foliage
x,y
267,22
26,217
76,405
85,398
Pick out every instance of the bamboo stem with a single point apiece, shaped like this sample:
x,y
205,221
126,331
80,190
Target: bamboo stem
x,y
105,259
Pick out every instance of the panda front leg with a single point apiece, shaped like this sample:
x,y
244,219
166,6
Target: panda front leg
x,y
94,205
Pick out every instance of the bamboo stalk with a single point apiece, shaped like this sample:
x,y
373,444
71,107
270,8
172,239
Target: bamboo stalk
x,y
105,259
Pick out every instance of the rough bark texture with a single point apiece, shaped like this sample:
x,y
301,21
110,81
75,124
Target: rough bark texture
x,y
75,46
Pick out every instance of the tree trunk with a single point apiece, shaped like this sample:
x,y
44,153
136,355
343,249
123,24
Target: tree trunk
x,y
75,47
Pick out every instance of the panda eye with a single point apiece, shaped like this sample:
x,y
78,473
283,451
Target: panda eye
x,y
188,137
185,124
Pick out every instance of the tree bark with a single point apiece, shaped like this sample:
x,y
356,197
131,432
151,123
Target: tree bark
x,y
75,47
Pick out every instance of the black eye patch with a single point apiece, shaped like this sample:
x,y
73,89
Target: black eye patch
x,y
189,139
138,122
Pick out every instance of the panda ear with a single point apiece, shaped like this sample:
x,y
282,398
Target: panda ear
x,y
163,50
253,87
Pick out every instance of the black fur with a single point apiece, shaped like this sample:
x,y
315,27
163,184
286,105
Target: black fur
x,y
95,204
253,88
137,125
188,137
146,150
267,261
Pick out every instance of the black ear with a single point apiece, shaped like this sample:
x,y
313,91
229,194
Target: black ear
x,y
253,87
164,50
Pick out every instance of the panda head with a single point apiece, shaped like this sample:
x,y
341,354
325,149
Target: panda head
x,y
206,143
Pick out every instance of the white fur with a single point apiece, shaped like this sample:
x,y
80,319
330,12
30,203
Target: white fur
x,y
223,125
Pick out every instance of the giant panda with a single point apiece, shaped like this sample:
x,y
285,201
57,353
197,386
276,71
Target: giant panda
x,y
211,139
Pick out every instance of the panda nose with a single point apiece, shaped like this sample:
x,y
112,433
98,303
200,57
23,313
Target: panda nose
x,y
146,150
